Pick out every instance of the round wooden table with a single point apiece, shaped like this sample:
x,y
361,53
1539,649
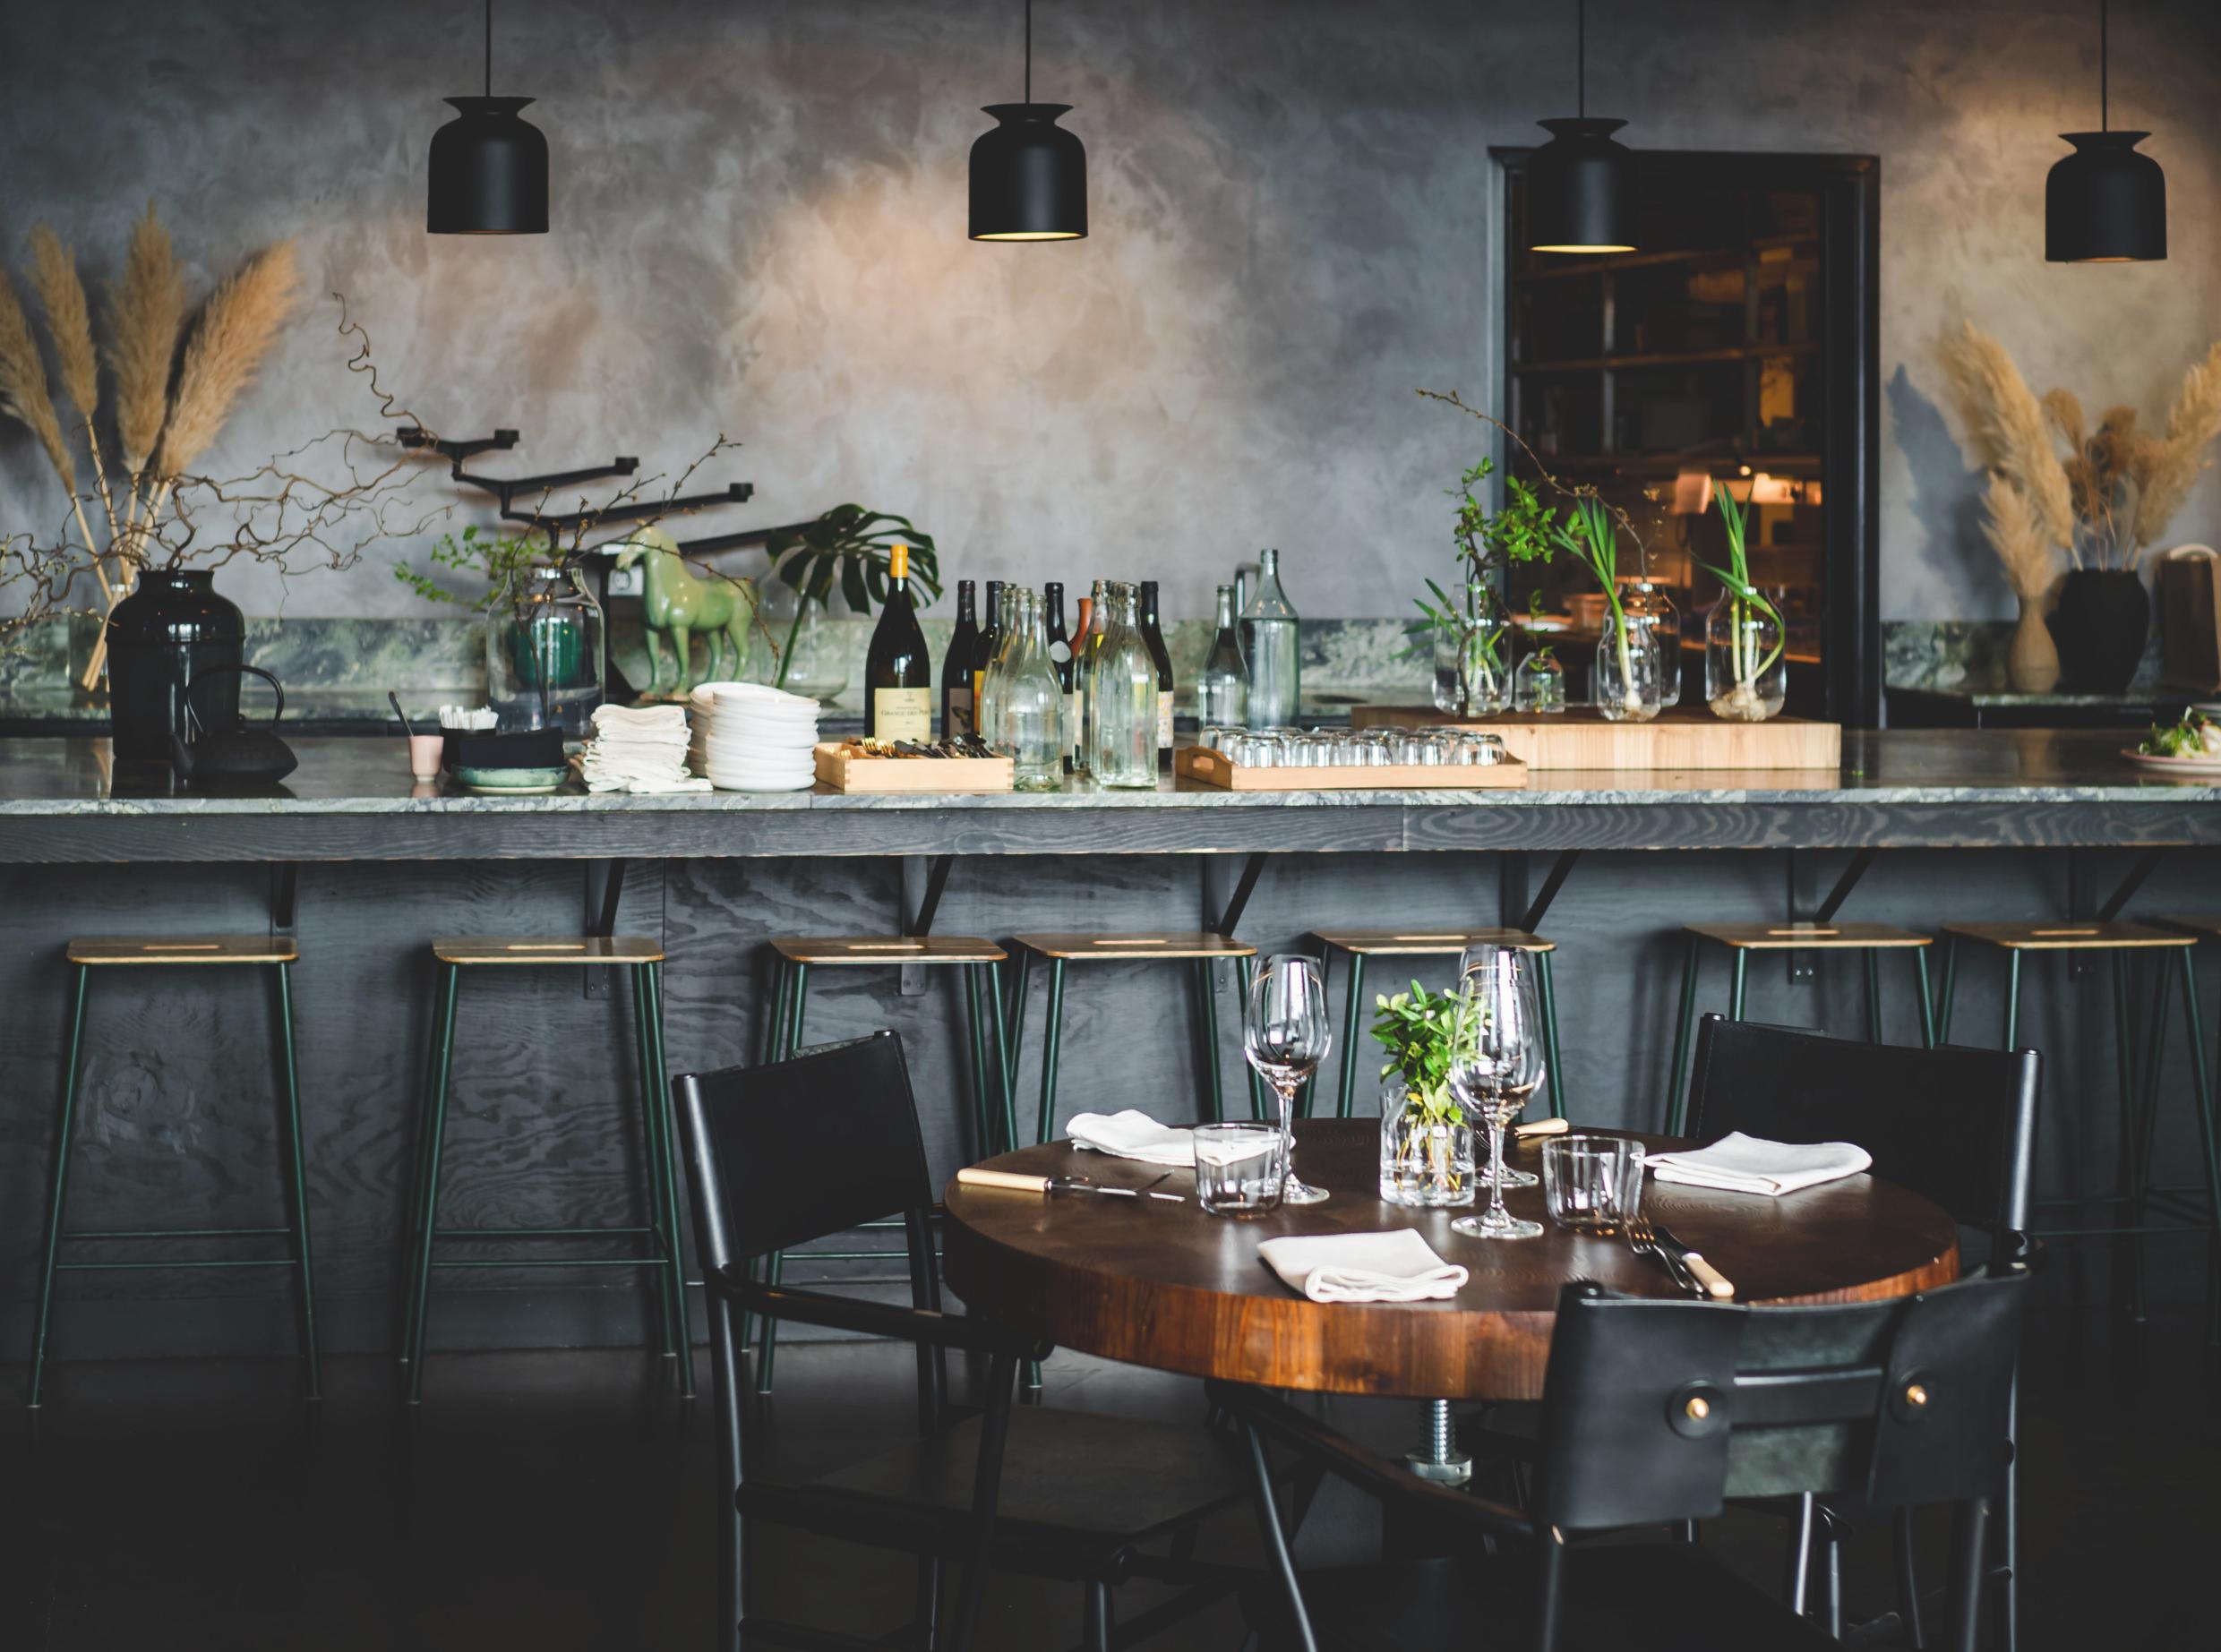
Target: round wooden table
x,y
1165,1285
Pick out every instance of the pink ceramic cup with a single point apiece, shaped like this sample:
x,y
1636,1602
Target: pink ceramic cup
x,y
423,755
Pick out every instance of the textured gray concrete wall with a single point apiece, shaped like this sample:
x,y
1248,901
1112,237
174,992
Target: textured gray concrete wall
x,y
759,230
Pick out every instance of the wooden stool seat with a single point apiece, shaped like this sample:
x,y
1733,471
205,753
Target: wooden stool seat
x,y
1165,943
1808,937
527,949
2066,936
1427,942
106,949
883,949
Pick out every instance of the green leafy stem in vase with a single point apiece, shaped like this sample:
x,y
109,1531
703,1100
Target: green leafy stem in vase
x,y
494,558
1743,702
849,546
1423,1032
1487,543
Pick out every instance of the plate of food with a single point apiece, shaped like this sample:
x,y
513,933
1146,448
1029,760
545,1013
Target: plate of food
x,y
2191,747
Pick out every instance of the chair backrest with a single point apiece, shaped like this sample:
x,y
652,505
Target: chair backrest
x,y
1659,1410
797,1150
1955,1125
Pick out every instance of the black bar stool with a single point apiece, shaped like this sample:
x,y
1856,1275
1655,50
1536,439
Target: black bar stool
x,y
982,961
2174,950
275,954
659,1240
1363,943
1869,941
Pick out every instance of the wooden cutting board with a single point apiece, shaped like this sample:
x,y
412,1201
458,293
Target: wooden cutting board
x,y
1679,739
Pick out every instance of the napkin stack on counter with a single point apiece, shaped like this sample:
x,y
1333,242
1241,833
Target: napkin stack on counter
x,y
1133,1134
1748,1164
750,737
637,749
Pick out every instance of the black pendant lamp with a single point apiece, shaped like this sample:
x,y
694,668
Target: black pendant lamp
x,y
489,166
1029,176
1581,185
2105,203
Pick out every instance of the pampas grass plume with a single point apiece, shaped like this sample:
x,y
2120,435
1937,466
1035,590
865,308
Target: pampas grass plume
x,y
146,310
236,328
23,393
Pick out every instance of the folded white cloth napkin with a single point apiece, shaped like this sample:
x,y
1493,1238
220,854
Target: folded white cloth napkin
x,y
1396,1266
1739,1163
1133,1134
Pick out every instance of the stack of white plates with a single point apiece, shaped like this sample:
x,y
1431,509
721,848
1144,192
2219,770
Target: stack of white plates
x,y
749,737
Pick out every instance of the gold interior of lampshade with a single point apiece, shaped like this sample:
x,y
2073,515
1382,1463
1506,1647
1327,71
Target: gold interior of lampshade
x,y
1030,235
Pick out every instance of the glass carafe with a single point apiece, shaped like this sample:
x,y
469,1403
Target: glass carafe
x,y
1746,670
1122,697
1646,603
1272,647
544,652
1471,680
1026,703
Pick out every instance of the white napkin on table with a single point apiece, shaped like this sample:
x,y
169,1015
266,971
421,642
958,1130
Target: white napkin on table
x,y
1739,1163
1396,1266
1133,1134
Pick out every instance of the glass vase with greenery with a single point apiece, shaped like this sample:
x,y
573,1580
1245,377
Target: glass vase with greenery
x,y
1745,674
1465,635
1426,1140
1630,677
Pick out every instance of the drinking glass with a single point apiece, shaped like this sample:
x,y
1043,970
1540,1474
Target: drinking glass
x,y
1496,1066
1284,1033
1592,1183
1240,1168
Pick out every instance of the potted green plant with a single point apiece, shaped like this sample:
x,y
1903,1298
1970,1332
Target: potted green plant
x,y
1465,635
1747,680
1426,1140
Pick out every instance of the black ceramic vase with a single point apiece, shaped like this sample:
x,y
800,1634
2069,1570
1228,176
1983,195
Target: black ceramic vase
x,y
2101,624
160,637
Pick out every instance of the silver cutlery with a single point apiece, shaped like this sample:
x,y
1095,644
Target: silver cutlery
x,y
1709,1280
1642,1239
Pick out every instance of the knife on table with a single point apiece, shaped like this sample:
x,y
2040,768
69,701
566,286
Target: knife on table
x,y
1011,1181
1716,1284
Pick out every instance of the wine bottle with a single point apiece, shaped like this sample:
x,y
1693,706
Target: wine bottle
x,y
1152,635
1059,656
898,674
1094,616
990,639
957,705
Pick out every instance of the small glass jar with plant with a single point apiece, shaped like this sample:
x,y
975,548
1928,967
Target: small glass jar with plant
x,y
1426,1141
542,629
1630,681
1467,636
1746,672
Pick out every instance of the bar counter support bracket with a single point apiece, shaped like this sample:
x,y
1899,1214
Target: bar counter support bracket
x,y
605,888
1803,881
1536,911
284,888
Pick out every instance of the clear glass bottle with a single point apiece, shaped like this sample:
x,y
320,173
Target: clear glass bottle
x,y
544,652
1539,682
1272,647
1630,683
1471,680
1024,699
1645,603
1122,698
993,676
1094,613
1223,691
1746,669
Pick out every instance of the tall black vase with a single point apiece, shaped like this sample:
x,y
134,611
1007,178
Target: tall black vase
x,y
2101,624
160,637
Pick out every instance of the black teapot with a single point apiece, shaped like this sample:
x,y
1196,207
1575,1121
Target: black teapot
x,y
235,756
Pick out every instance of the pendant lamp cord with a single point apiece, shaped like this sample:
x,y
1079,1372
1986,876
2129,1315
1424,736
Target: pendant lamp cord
x,y
1029,48
1581,57
489,48
2105,99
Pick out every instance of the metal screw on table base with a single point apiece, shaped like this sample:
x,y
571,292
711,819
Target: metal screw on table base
x,y
1439,1459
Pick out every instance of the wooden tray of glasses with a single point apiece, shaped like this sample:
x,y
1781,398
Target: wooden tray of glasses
x,y
1678,738
845,766
1212,768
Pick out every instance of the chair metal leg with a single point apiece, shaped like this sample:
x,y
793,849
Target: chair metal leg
x,y
726,1377
1677,1080
58,1189
1096,1622
768,1335
1873,996
973,1028
1927,1007
1951,984
1907,1581
1548,986
1967,1561
1799,1581
2201,1093
667,1132
1353,1010
1832,1579
986,1493
1053,1037
303,1258
1006,1059
2013,1001
1741,977
1207,994
1276,1554
442,1067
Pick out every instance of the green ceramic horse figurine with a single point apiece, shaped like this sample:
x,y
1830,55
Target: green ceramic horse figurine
x,y
681,602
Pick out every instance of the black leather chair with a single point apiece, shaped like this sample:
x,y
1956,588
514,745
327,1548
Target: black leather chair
x,y
1083,1497
1955,1125
1657,1412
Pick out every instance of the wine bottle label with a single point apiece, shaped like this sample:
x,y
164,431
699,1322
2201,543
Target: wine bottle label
x,y
902,714
1164,718
1076,706
960,714
1059,651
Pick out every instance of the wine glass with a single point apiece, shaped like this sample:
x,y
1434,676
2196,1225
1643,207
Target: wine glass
x,y
1471,958
1495,1067
1285,1034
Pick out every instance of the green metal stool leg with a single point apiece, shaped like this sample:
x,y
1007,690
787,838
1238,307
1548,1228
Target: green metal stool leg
x,y
1302,1109
1950,989
58,1190
1019,985
774,1028
972,1020
1246,971
667,1127
1207,1013
1353,1009
799,993
1006,1060
1742,975
2201,1092
768,1338
1873,996
443,1062
302,1256
1052,1037
404,1338
1556,1076
1678,1079
651,1150
1927,1005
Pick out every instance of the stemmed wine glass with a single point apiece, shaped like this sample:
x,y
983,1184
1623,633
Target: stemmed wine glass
x,y
1285,1034
1471,958
1496,1066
